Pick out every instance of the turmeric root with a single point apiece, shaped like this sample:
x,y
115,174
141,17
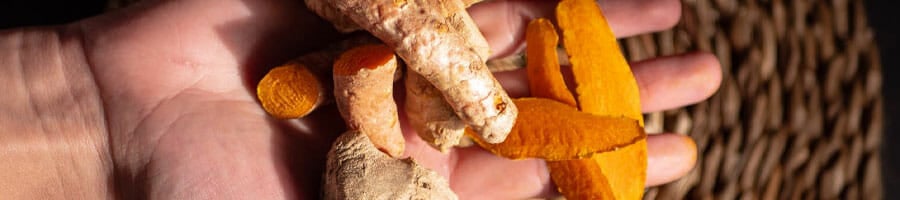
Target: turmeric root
x,y
431,116
471,33
340,21
298,87
467,26
425,34
355,169
552,130
363,84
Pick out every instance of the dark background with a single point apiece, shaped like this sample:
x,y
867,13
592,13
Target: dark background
x,y
883,17
16,13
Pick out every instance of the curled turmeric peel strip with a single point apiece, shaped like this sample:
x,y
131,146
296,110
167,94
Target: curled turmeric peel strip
x,y
363,91
606,86
544,77
552,130
290,91
580,179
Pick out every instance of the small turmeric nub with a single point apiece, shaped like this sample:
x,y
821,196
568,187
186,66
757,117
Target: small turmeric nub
x,y
290,91
544,75
552,130
363,90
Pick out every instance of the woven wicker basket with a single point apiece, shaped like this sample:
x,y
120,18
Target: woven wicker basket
x,y
799,113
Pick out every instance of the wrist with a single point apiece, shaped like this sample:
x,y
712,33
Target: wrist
x,y
53,139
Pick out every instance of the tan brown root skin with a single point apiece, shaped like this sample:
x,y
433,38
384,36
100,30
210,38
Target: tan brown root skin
x,y
340,21
363,88
473,37
357,170
442,55
465,24
431,116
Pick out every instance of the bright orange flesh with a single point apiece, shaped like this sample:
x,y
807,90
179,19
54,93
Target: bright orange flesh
x,y
544,77
289,91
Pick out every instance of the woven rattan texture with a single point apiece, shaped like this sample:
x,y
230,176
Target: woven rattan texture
x,y
799,114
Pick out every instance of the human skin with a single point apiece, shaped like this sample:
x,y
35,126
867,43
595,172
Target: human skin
x,y
157,101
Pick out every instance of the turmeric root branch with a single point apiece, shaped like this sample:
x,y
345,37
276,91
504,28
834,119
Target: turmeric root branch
x,y
425,35
431,116
363,87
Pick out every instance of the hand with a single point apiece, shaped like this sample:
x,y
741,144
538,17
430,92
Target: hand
x,y
163,98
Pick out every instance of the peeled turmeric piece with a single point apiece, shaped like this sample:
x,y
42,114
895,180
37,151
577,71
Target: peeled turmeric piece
x,y
432,38
363,90
552,130
606,86
544,77
290,91
296,88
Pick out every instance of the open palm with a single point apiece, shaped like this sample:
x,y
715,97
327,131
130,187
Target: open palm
x,y
177,80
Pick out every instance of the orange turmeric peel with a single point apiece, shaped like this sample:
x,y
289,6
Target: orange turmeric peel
x,y
363,90
617,174
552,130
290,91
544,76
606,86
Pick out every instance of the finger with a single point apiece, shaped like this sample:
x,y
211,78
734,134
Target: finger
x,y
675,81
664,82
480,174
503,22
669,156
